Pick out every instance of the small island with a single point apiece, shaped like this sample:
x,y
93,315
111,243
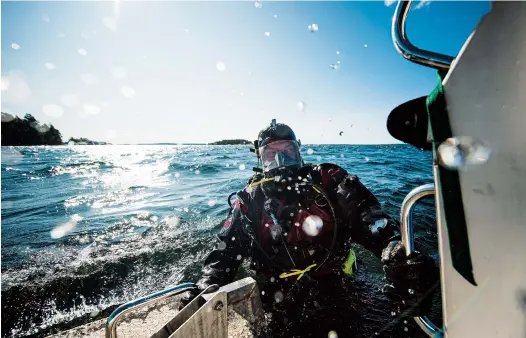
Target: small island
x,y
84,141
231,142
30,132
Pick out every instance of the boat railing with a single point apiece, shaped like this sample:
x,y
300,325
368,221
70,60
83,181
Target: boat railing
x,y
407,49
406,227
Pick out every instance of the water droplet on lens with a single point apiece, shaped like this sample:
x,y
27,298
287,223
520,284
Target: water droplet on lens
x,y
46,18
332,334
310,151
366,159
393,313
82,51
227,269
197,172
341,133
258,4
15,46
211,203
110,23
406,329
411,291
275,16
313,28
177,174
365,45
92,109
267,34
220,66
241,167
312,225
334,66
239,257
49,65
272,279
118,72
462,152
52,110
301,106
89,79
263,293
278,296
221,246
405,321
128,92
233,238
318,158
289,188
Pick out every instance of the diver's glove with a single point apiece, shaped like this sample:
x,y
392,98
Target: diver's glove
x,y
411,279
188,297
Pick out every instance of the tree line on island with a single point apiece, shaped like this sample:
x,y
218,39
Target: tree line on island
x,y
30,132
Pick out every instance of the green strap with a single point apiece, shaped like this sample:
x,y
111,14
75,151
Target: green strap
x,y
440,129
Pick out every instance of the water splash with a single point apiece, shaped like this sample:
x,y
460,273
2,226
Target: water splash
x,y
62,230
52,110
15,46
220,65
462,152
312,225
313,28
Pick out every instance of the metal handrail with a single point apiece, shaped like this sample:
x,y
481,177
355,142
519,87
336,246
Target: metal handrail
x,y
406,227
111,322
407,49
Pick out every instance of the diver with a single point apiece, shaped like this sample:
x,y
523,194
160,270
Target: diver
x,y
295,223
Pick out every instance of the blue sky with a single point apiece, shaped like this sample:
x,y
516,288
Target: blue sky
x,y
138,72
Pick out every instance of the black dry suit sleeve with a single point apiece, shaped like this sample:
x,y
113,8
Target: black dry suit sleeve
x,y
221,264
370,226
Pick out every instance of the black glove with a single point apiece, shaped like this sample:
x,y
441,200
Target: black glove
x,y
411,279
188,297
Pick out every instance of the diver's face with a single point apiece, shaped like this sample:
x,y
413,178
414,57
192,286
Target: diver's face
x,y
286,147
